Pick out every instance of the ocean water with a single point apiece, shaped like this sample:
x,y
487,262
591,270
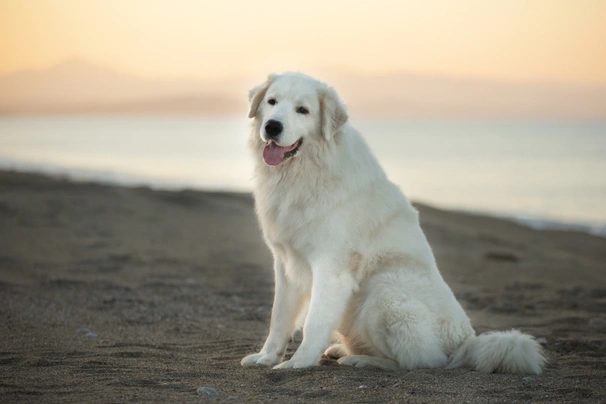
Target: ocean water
x,y
542,173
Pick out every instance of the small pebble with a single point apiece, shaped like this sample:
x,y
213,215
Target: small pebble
x,y
542,341
207,391
362,386
597,322
528,379
88,332
232,398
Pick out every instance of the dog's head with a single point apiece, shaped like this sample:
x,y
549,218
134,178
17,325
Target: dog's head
x,y
294,112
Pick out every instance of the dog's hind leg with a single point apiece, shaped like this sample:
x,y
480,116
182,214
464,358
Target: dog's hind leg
x,y
408,336
400,329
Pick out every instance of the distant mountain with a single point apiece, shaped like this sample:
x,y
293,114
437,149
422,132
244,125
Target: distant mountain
x,y
80,87
76,87
203,105
410,95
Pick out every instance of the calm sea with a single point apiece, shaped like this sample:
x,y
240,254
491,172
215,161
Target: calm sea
x,y
545,173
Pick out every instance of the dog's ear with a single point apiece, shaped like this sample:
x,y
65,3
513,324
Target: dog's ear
x,y
256,95
333,112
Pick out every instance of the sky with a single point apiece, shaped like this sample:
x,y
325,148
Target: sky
x,y
518,40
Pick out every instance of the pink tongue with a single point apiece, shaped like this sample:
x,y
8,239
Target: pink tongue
x,y
274,154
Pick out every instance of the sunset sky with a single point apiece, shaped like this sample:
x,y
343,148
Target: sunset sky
x,y
559,40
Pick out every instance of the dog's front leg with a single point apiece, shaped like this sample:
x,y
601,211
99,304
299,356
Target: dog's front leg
x,y
330,294
287,304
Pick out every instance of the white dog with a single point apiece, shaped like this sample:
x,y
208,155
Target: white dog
x,y
350,258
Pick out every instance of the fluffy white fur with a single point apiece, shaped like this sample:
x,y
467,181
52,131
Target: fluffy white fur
x,y
350,258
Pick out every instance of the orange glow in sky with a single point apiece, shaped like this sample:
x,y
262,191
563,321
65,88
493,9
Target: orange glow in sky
x,y
561,40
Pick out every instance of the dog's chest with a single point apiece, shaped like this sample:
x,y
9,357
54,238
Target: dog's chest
x,y
284,219
289,219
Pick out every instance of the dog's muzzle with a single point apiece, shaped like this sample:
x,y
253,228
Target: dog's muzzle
x,y
274,154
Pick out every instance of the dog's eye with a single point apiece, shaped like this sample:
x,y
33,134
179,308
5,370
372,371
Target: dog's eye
x,y
302,110
271,101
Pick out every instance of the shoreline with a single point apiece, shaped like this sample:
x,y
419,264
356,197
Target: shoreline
x,y
110,178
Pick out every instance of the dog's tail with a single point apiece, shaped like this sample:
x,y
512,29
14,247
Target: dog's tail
x,y
502,352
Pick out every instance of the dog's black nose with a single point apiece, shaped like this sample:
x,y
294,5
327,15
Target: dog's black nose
x,y
273,128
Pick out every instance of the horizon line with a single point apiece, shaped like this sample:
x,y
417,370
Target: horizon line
x,y
88,62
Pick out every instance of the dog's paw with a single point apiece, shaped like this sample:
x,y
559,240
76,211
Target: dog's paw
x,y
336,351
361,361
261,359
296,364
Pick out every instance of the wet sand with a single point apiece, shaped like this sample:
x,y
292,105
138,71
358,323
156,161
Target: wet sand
x,y
111,294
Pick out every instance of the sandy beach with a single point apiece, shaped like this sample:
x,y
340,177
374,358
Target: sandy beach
x,y
113,294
